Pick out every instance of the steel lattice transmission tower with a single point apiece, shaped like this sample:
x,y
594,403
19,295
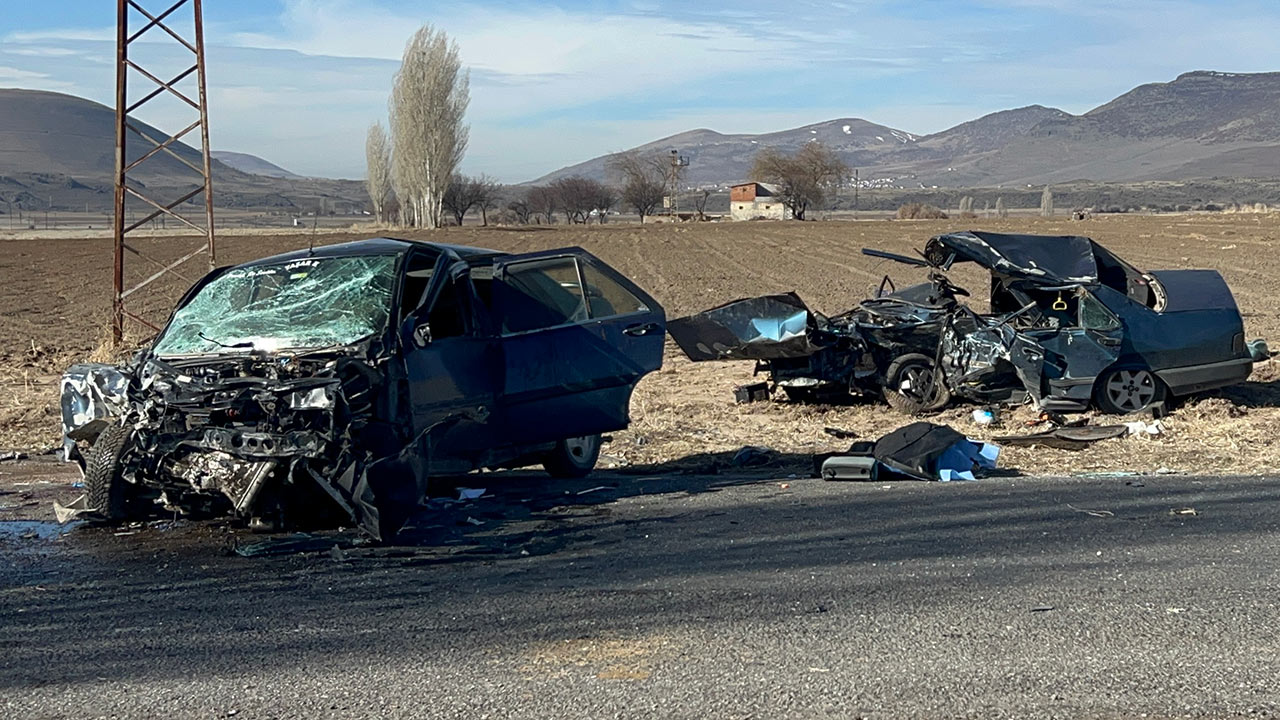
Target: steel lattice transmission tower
x,y
128,131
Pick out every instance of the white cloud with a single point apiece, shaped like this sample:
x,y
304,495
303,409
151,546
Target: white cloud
x,y
107,33
12,74
42,51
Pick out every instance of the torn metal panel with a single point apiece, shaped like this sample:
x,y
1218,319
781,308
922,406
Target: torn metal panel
x,y
93,395
761,328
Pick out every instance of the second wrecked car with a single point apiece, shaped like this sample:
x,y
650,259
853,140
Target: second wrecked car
x,y
1069,325
338,380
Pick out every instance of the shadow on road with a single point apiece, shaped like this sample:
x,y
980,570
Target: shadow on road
x,y
539,559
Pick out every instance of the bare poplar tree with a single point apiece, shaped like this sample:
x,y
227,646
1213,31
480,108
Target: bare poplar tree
x,y
1001,210
1046,202
428,101
377,152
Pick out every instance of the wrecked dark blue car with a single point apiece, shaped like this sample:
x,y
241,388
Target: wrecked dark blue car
x,y
338,381
1069,326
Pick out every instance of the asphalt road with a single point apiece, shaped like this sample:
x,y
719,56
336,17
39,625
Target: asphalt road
x,y
700,597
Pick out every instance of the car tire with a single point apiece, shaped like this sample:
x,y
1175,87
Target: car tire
x,y
906,374
1128,390
573,457
104,482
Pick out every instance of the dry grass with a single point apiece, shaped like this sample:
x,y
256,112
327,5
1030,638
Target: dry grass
x,y
922,211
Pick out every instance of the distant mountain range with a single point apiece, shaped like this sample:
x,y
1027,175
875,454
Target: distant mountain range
x,y
252,164
1202,124
58,151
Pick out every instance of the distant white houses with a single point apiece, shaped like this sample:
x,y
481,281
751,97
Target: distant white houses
x,y
757,201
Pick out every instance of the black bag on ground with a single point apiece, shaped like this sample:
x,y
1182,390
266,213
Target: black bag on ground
x,y
914,449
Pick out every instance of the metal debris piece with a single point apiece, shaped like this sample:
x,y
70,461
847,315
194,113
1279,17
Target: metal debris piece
x,y
755,392
753,455
1094,513
72,510
1066,438
839,433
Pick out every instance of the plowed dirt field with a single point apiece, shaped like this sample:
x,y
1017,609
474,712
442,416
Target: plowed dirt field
x,y
55,293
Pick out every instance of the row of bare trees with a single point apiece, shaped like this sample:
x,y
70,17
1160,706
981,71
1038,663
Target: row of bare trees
x,y
577,198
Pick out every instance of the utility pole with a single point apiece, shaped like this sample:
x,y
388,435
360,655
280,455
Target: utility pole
x,y
678,164
127,10
855,192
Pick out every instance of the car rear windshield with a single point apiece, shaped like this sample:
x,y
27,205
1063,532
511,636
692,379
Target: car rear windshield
x,y
307,303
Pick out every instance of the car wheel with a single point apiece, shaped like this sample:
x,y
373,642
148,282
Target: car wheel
x,y
104,482
1124,391
573,457
912,387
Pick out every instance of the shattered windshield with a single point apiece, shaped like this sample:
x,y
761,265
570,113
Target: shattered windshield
x,y
307,303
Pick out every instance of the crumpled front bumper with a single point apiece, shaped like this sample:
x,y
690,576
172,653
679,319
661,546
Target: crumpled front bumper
x,y
93,396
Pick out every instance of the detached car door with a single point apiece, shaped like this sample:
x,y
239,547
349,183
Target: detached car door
x,y
576,338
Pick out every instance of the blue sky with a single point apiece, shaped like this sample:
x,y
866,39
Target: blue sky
x,y
299,81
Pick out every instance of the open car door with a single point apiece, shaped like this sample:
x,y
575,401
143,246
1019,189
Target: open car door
x,y
576,338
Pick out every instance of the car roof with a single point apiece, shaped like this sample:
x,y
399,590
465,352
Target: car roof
x,y
374,246
1070,258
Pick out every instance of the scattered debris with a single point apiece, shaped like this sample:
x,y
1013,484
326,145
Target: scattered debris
x,y
1067,438
1043,608
598,488
466,493
1140,427
1094,513
755,392
1183,511
294,544
985,416
839,433
1259,351
472,521
753,455
920,451
71,511
12,456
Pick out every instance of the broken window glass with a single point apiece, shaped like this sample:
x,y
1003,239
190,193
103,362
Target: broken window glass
x,y
1093,316
313,302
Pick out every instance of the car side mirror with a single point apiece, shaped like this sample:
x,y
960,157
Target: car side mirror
x,y
422,334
